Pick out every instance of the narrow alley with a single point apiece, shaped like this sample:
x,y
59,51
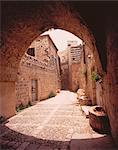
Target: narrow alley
x,y
54,124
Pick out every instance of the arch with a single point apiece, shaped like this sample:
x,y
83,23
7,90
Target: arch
x,y
22,23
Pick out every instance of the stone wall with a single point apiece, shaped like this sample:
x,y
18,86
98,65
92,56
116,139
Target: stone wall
x,y
7,90
64,69
42,67
77,63
110,82
75,60
91,66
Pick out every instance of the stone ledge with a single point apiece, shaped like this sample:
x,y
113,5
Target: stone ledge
x,y
85,109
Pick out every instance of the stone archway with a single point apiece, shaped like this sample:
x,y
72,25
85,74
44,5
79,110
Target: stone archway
x,y
22,22
19,29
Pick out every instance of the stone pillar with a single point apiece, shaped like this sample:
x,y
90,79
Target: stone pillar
x,y
7,99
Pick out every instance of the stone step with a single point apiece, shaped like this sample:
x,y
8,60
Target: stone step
x,y
85,109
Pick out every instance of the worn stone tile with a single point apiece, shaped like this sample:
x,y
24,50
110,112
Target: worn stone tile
x,y
3,142
56,123
45,148
11,143
81,136
53,133
32,147
16,145
67,121
23,146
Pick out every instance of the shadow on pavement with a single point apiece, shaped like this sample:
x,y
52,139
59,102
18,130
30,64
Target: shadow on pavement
x,y
101,143
11,140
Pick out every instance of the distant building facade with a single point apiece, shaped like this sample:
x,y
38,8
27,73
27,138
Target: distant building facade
x,y
78,65
75,52
39,71
70,62
64,69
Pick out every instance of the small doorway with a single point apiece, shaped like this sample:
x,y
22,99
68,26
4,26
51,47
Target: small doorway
x,y
34,89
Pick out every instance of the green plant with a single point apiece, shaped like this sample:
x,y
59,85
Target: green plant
x,y
29,104
21,106
95,76
52,94
18,109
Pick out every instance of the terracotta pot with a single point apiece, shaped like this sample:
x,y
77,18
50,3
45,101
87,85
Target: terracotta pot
x,y
98,119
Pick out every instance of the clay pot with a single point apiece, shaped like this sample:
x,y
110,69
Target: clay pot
x,y
98,119
83,99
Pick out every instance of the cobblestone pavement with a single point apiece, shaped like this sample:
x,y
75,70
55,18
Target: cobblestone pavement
x,y
53,124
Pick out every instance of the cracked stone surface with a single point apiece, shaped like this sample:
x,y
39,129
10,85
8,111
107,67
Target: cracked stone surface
x,y
54,124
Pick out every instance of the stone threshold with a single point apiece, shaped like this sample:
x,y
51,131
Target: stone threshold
x,y
85,110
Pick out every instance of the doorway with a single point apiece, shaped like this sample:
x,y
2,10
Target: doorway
x,y
34,89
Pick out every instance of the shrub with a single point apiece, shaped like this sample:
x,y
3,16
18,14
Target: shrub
x,y
52,94
95,76
21,106
29,104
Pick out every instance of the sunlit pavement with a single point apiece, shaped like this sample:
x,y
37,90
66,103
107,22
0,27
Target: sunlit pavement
x,y
54,124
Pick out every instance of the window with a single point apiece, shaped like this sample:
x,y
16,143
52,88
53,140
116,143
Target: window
x,y
31,51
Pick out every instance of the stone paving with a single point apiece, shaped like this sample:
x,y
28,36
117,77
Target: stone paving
x,y
54,124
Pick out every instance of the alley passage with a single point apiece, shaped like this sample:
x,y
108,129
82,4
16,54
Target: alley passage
x,y
54,124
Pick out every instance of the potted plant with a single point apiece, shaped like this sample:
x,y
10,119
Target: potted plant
x,y
95,76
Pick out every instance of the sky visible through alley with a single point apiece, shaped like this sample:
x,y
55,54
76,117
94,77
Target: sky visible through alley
x,y
60,38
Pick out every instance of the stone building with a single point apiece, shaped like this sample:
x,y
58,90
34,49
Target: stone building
x,y
38,73
77,65
74,57
64,69
81,65
70,65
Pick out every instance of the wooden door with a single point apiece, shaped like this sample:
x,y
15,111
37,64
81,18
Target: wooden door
x,y
34,90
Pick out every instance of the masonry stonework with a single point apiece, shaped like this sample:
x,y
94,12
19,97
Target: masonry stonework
x,y
64,64
23,22
78,63
75,57
42,68
110,86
